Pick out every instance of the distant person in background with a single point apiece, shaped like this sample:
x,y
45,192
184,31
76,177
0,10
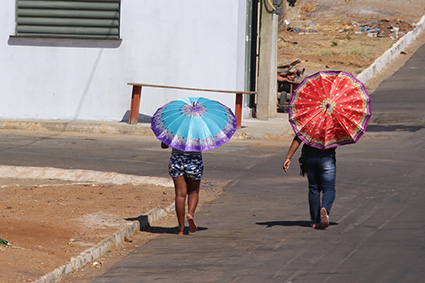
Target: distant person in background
x,y
186,169
320,166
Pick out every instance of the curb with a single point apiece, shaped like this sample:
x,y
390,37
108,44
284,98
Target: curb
x,y
96,127
389,55
251,128
78,175
104,246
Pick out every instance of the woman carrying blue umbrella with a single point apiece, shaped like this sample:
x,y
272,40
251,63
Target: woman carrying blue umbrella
x,y
190,126
186,169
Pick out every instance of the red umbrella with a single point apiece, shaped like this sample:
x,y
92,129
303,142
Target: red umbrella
x,y
329,109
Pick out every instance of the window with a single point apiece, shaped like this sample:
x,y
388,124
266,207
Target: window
x,y
92,19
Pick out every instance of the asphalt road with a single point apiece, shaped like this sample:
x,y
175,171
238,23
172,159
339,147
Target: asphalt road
x,y
258,231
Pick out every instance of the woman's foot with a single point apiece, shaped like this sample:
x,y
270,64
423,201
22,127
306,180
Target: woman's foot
x,y
192,225
324,218
180,233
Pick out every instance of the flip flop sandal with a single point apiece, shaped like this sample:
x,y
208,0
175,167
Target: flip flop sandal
x,y
192,225
324,218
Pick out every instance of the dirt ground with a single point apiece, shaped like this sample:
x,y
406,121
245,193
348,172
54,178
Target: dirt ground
x,y
48,223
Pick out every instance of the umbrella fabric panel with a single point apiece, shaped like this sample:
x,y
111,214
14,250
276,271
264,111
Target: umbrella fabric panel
x,y
203,120
329,109
194,124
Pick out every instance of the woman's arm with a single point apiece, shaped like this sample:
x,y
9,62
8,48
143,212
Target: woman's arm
x,y
292,149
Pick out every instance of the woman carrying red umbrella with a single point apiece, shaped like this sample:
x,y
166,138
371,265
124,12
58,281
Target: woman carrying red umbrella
x,y
327,110
320,166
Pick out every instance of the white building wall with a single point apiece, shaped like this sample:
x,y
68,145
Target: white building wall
x,y
199,44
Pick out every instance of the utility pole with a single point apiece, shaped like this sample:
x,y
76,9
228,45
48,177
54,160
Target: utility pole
x,y
267,67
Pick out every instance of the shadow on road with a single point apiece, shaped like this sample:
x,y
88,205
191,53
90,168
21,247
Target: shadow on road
x,y
285,223
168,230
288,223
146,227
392,128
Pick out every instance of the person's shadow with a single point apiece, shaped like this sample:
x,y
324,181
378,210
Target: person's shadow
x,y
146,227
300,223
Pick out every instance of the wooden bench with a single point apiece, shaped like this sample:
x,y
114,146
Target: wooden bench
x,y
137,92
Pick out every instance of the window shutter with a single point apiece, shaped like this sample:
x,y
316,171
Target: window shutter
x,y
95,19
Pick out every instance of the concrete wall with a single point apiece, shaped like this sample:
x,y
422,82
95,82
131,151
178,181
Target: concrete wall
x,y
188,43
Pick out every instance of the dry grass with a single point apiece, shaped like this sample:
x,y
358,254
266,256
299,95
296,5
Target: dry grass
x,y
309,8
331,49
364,49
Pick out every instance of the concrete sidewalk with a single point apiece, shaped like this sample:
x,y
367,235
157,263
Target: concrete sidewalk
x,y
274,128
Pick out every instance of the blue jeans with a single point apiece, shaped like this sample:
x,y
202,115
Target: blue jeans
x,y
321,173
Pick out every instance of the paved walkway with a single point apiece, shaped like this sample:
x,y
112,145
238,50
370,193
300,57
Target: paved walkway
x,y
259,230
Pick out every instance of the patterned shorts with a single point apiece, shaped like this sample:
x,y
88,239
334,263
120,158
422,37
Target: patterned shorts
x,y
185,164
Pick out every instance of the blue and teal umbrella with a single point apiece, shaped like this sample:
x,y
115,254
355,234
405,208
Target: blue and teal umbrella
x,y
194,124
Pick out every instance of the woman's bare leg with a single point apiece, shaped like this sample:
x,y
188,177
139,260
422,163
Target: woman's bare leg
x,y
193,198
193,193
180,188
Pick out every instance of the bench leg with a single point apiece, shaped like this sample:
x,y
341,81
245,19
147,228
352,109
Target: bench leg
x,y
238,110
135,104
